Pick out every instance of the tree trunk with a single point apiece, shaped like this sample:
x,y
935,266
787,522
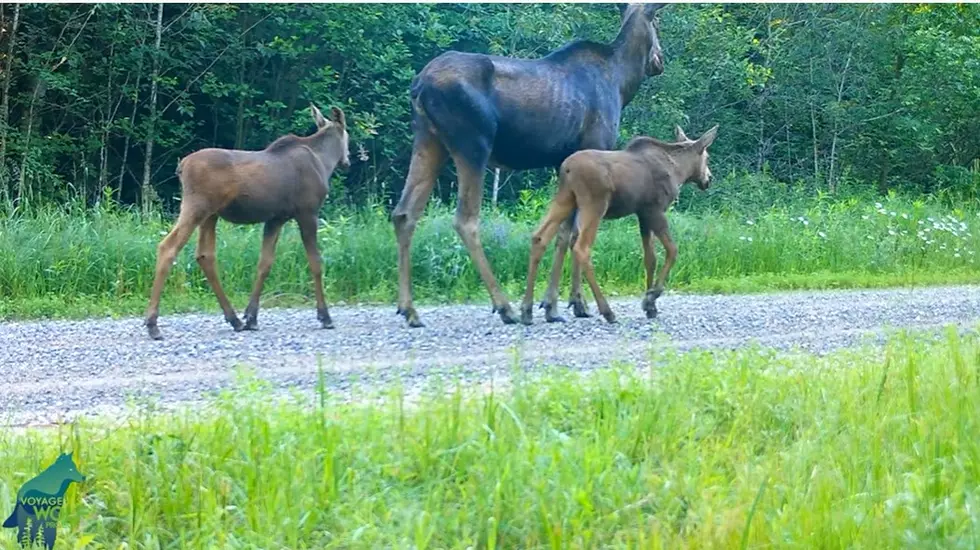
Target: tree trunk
x,y
106,122
496,187
5,106
813,129
129,135
28,130
147,191
831,173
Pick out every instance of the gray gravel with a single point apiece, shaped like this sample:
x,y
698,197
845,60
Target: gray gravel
x,y
54,370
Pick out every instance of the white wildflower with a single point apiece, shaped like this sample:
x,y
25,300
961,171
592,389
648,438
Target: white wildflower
x,y
822,234
749,222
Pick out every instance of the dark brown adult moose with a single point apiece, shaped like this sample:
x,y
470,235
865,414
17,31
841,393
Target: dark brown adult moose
x,y
288,180
643,179
520,114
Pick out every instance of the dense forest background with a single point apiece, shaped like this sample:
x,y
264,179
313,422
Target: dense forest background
x,y
99,101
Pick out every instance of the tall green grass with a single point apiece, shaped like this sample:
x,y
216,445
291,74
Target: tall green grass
x,y
58,261
746,449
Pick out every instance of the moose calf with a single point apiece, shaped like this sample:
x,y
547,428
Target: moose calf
x,y
288,180
643,179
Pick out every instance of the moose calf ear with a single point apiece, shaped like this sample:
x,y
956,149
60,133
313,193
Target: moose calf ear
x,y
679,134
708,137
338,116
317,116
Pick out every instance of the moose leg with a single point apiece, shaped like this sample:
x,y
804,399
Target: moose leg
x,y
650,262
270,236
575,299
659,225
307,230
550,302
561,207
428,157
167,251
206,259
590,218
467,224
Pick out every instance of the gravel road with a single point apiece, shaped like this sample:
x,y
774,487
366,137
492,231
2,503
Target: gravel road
x,y
54,370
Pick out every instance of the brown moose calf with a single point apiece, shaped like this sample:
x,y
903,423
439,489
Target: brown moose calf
x,y
643,179
288,180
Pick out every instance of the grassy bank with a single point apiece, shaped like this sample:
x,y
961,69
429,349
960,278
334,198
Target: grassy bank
x,y
860,449
94,262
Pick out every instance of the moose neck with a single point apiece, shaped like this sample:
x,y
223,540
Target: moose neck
x,y
320,145
629,61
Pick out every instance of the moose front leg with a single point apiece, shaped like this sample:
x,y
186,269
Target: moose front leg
x,y
307,231
659,226
650,263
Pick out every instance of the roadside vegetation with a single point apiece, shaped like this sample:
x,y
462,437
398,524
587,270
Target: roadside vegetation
x,y
747,234
862,448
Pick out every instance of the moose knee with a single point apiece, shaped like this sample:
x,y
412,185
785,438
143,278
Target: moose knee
x,y
204,259
404,222
467,228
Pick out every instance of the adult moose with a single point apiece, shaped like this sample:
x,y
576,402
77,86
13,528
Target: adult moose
x,y
288,180
521,114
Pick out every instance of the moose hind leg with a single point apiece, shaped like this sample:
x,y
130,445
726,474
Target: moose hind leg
x,y
467,224
575,299
428,157
562,245
167,251
206,259
307,230
560,209
583,253
270,237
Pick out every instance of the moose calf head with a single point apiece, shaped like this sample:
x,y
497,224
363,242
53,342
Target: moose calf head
x,y
337,141
701,174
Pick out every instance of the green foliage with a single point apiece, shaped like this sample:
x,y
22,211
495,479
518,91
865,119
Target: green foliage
x,y
78,260
882,95
864,448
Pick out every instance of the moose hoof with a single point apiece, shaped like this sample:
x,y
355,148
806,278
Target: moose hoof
x,y
323,315
154,332
327,324
649,304
235,323
610,317
251,323
411,316
551,312
527,315
507,315
578,307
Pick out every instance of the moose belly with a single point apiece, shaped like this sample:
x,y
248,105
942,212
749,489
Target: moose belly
x,y
247,210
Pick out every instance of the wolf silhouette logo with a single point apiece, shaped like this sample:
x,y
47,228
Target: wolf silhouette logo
x,y
40,500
